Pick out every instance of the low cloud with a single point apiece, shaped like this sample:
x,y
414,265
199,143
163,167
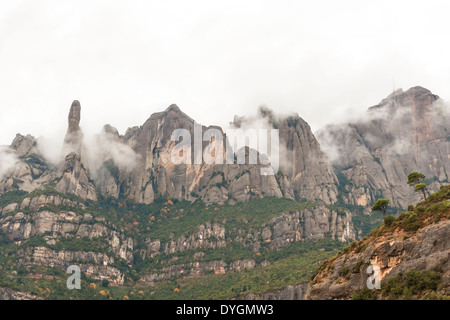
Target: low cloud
x,y
107,145
266,118
7,160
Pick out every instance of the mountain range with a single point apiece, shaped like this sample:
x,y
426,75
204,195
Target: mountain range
x,y
128,216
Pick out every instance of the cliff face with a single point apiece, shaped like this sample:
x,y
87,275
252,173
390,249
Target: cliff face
x,y
154,173
406,132
296,292
34,218
277,234
304,173
417,241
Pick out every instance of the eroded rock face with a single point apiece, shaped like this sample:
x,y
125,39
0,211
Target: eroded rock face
x,y
429,249
73,141
406,132
65,225
154,173
24,145
296,292
75,178
305,173
28,170
208,236
9,294
196,269
313,224
95,265
21,227
304,225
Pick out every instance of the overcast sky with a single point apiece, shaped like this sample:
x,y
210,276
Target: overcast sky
x,y
125,60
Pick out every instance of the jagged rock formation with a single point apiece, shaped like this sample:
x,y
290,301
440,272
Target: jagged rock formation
x,y
24,145
406,132
313,224
154,174
32,171
395,250
73,141
139,163
29,170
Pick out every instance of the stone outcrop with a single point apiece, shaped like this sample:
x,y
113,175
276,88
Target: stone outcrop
x,y
151,172
208,236
69,226
73,141
303,225
29,219
311,224
22,226
9,294
292,292
94,265
428,250
197,268
24,145
74,178
30,169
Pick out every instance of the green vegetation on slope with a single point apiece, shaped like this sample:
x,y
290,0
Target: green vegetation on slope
x,y
167,219
413,284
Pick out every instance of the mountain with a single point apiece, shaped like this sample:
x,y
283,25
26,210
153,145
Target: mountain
x,y
132,220
412,252
407,131
127,216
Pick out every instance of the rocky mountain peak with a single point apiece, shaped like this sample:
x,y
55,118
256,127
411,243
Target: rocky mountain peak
x,y
74,117
303,166
73,141
110,130
406,132
173,108
74,178
416,97
23,144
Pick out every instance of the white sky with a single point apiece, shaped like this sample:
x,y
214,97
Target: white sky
x,y
125,60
